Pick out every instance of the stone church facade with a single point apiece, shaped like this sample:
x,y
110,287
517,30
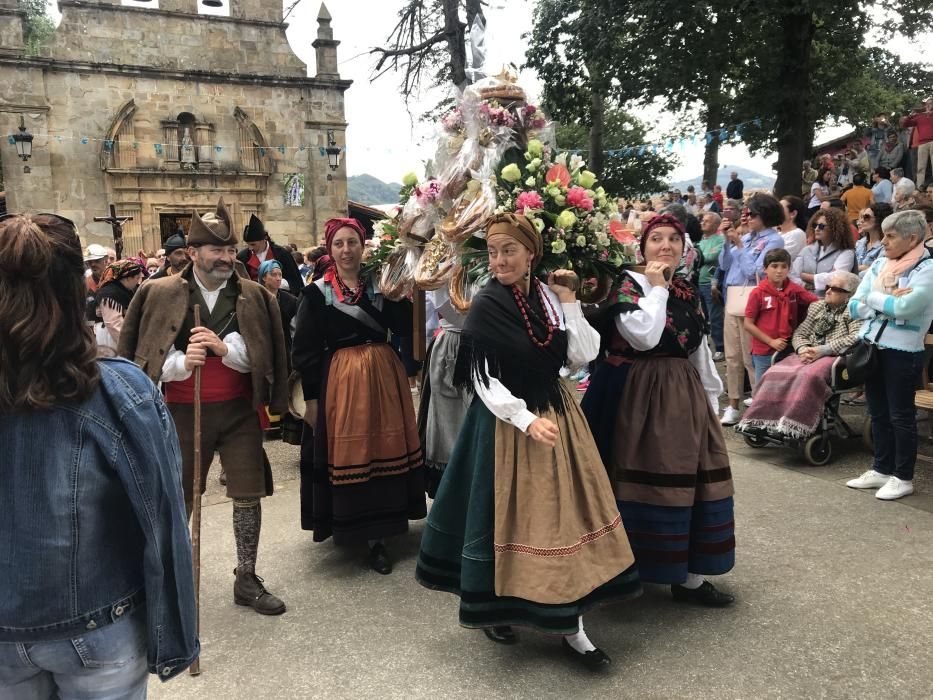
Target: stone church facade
x,y
161,111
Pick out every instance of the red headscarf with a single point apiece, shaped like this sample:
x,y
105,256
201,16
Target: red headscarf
x,y
662,220
334,225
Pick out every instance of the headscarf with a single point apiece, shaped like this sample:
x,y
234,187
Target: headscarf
x,y
121,269
113,294
333,225
657,222
680,284
267,267
521,229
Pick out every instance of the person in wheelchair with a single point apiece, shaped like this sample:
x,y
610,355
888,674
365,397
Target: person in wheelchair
x,y
789,400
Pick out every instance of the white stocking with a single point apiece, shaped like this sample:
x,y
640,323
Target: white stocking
x,y
579,641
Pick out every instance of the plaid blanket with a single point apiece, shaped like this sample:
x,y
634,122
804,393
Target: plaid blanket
x,y
790,397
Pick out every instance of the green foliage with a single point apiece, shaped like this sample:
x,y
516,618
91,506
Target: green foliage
x,y
37,25
629,176
371,191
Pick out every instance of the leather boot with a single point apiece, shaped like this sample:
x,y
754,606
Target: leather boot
x,y
248,590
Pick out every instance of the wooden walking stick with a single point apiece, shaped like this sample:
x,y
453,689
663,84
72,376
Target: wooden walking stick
x,y
195,668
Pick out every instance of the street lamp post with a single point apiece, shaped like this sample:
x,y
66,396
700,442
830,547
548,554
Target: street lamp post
x,y
333,150
23,142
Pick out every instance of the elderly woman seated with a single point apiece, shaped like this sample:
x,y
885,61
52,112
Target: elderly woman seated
x,y
790,397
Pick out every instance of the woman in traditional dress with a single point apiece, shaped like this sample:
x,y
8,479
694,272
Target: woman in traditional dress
x,y
362,475
114,294
443,406
652,406
524,527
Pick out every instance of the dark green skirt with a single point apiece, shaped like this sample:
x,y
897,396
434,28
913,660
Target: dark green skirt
x,y
457,548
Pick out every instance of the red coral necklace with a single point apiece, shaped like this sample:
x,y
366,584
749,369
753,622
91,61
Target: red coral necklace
x,y
525,308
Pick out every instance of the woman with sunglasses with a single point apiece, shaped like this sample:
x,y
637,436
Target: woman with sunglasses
x,y
832,249
869,248
96,584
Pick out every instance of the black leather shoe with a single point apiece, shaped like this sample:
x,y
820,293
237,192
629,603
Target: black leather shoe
x,y
593,660
379,559
706,594
249,591
501,635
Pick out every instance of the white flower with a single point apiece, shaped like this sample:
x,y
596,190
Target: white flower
x,y
581,241
530,182
576,162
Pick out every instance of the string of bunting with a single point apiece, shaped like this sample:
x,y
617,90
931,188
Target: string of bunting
x,y
723,134
159,148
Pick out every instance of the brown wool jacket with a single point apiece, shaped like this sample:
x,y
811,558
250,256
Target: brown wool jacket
x,y
158,310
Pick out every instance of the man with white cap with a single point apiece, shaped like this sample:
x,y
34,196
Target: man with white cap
x,y
96,261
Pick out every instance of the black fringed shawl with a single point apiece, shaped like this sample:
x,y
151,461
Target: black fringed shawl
x,y
494,335
115,295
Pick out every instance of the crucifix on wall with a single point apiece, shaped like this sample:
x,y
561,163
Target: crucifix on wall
x,y
116,223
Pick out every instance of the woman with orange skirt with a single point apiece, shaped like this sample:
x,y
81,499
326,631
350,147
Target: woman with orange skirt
x,y
362,476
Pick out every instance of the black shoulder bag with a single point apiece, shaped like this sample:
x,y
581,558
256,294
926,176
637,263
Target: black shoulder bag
x,y
861,359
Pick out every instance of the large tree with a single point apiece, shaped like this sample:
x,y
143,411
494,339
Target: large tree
x,y
571,46
429,41
817,69
626,172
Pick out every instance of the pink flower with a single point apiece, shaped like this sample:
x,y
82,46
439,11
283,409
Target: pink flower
x,y
528,200
576,197
428,192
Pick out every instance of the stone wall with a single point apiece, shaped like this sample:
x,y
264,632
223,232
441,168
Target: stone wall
x,y
65,98
167,39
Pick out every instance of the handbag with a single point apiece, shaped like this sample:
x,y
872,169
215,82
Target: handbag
x,y
737,298
861,359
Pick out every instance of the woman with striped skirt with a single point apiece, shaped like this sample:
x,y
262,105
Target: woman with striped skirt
x,y
524,528
362,471
652,405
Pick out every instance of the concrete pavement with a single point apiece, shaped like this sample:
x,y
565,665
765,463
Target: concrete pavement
x,y
834,601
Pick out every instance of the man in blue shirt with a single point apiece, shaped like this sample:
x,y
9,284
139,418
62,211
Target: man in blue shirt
x,y
742,262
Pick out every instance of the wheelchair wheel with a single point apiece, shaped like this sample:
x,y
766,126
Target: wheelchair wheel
x,y
866,435
818,450
755,441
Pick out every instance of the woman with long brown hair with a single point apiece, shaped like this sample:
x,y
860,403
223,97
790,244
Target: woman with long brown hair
x,y
832,250
95,559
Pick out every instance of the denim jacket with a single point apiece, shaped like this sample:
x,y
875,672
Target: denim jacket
x,y
93,523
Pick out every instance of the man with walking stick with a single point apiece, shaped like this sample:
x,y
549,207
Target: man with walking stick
x,y
239,346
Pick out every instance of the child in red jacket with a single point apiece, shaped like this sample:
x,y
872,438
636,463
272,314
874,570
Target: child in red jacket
x,y
774,310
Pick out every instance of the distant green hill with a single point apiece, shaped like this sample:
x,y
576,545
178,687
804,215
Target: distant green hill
x,y
371,191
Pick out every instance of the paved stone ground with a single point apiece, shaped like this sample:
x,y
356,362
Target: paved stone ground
x,y
833,588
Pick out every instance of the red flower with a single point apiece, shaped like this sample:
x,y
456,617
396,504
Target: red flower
x,y
618,231
558,173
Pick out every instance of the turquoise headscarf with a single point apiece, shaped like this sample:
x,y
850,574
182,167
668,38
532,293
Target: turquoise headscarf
x,y
267,267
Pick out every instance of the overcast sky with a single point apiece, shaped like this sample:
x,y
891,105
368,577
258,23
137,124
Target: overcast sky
x,y
386,140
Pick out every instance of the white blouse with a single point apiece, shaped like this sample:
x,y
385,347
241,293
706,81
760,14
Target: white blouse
x,y
642,330
582,347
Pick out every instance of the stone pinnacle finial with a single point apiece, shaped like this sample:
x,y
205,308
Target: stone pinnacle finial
x,y
324,30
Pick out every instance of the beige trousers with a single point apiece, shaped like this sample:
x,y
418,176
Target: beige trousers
x,y
738,355
924,157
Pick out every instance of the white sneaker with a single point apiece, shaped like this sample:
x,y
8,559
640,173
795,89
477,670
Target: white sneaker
x,y
730,416
748,401
718,356
869,480
895,488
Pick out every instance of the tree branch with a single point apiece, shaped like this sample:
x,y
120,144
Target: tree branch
x,y
410,50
